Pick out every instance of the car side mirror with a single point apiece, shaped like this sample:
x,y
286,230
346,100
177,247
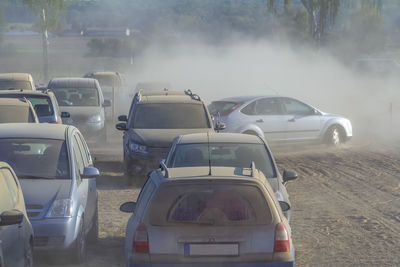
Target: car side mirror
x,y
90,172
284,205
289,175
65,114
219,126
10,217
128,207
122,118
107,103
121,126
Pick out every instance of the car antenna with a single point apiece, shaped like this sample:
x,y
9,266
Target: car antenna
x,y
209,154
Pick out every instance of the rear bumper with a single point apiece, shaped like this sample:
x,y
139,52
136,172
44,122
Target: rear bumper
x,y
241,264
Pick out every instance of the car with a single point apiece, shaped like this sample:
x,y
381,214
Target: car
x,y
230,150
207,216
154,119
56,172
83,99
17,110
16,81
44,102
281,120
16,233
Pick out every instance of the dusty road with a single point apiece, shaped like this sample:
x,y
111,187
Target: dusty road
x,y
346,207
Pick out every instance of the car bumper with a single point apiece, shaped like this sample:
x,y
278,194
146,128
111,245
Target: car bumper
x,y
241,264
143,163
54,234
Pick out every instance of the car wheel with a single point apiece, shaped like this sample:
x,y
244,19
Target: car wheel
x,y
28,261
79,251
334,136
93,235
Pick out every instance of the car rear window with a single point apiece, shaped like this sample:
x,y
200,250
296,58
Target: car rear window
x,y
221,107
170,116
217,204
77,96
10,114
41,104
7,85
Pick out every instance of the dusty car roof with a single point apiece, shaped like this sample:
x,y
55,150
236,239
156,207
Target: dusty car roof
x,y
220,138
216,172
103,73
168,97
33,130
16,76
245,98
21,92
72,83
13,102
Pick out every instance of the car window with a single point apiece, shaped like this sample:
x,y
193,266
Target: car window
x,y
42,106
77,96
199,203
20,113
78,156
295,107
24,85
6,201
222,107
250,109
224,155
267,106
11,184
82,149
169,116
46,158
87,157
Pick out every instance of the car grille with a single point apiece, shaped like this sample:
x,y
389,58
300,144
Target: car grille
x,y
33,210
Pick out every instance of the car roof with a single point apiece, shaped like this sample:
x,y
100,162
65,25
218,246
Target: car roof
x,y
16,76
72,82
33,130
4,164
246,98
219,138
8,101
102,73
21,92
168,97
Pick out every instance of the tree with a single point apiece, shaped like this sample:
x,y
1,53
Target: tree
x,y
47,13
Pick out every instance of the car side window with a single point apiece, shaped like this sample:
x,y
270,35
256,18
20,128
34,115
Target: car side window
x,y
79,163
250,109
267,106
82,148
294,107
8,195
86,149
31,116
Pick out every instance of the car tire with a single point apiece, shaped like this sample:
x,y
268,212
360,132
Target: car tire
x,y
93,234
79,251
28,257
334,136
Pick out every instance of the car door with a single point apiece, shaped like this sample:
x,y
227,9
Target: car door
x,y
303,122
268,116
11,236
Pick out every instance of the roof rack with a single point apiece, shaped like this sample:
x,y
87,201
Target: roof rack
x,y
192,95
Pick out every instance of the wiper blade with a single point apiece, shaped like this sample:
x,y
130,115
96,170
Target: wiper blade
x,y
33,177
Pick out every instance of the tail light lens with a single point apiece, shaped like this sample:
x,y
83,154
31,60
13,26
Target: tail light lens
x,y
230,110
281,243
141,240
55,122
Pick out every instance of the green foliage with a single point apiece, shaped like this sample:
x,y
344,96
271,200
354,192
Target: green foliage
x,y
109,47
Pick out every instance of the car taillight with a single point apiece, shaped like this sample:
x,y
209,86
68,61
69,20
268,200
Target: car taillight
x,y
141,240
229,111
55,122
281,243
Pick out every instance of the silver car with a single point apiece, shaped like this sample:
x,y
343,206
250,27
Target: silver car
x,y
230,150
281,120
56,174
208,216
83,99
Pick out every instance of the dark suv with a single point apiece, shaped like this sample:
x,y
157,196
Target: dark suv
x,y
154,120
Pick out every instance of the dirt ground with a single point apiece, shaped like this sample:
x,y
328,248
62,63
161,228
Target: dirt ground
x,y
346,207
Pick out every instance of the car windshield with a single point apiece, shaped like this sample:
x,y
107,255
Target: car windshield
x,y
77,96
170,116
6,85
223,155
222,204
41,104
36,158
10,114
221,107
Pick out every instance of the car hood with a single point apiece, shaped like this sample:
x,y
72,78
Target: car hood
x,y
161,137
43,192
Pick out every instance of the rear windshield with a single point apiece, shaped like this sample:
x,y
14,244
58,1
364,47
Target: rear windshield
x,y
77,96
24,85
218,204
10,114
41,104
221,107
36,158
223,155
170,116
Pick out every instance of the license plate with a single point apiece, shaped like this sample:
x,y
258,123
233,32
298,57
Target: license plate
x,y
211,249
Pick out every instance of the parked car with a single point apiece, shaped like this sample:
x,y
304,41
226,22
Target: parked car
x,y
230,150
154,120
281,120
44,103
22,81
17,110
208,216
56,174
83,99
16,234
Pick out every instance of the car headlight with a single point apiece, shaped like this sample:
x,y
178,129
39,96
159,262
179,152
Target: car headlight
x,y
61,208
137,148
95,118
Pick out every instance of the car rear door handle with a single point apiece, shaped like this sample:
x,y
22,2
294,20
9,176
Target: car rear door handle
x,y
260,120
292,120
